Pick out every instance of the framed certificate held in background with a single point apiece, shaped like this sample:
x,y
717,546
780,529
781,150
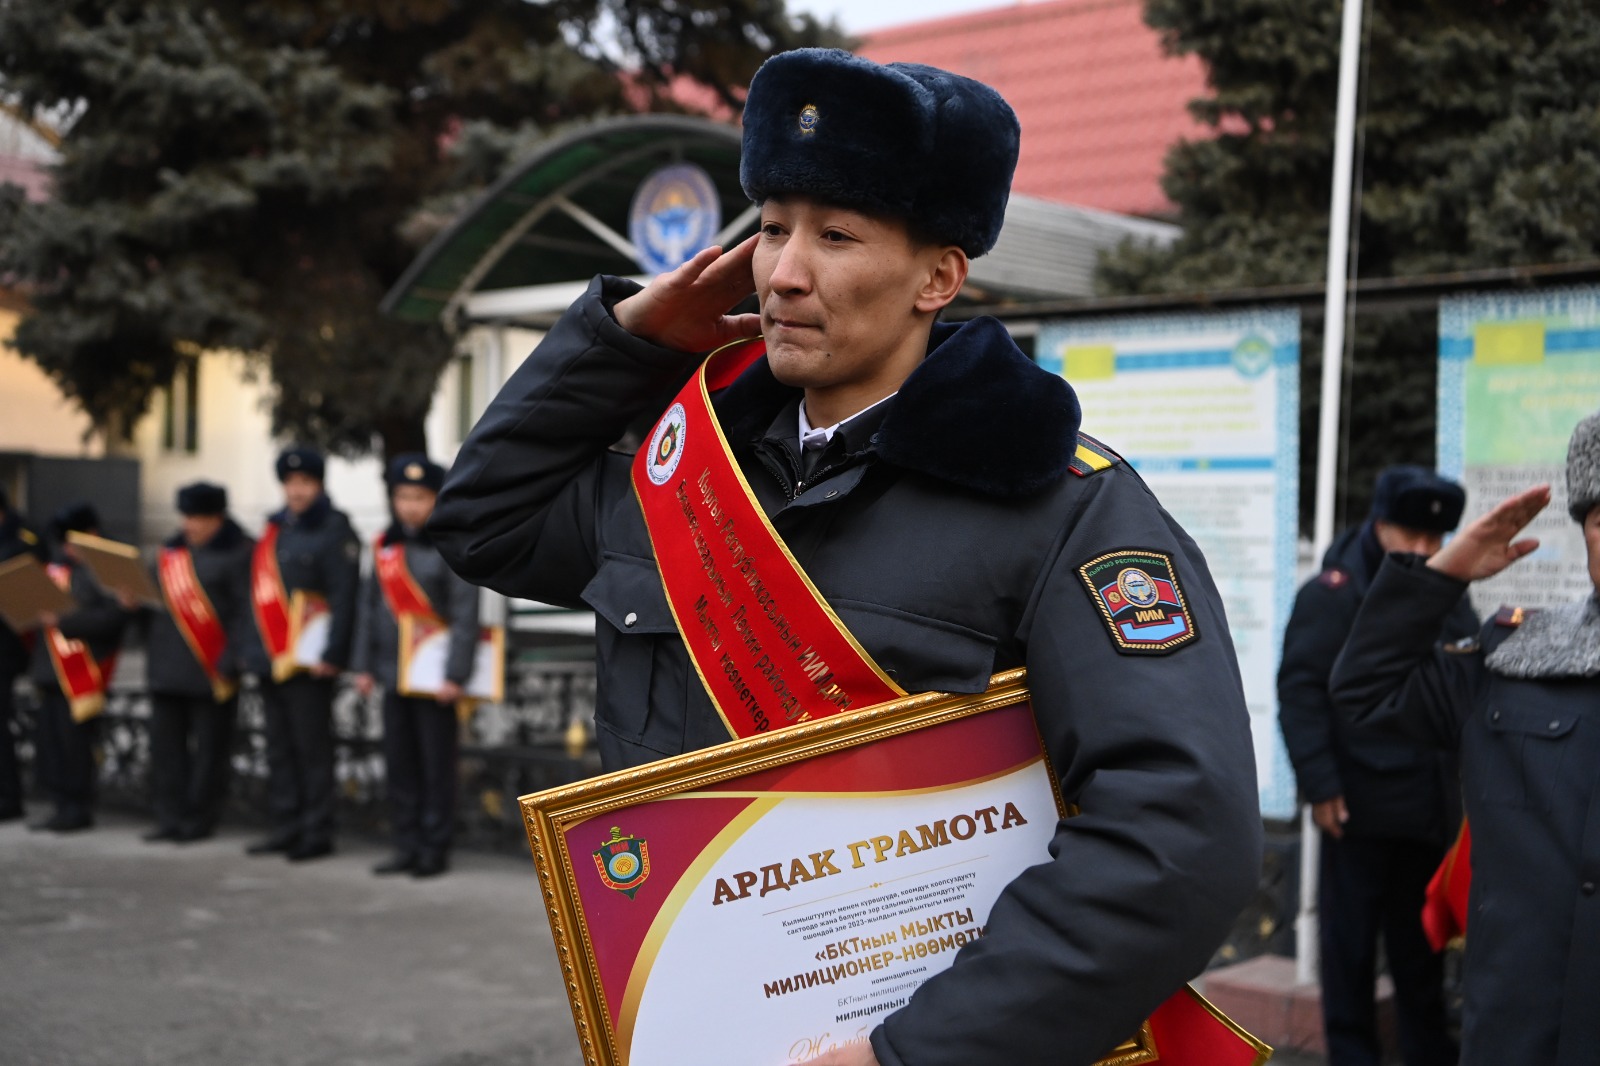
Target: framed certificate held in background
x,y
425,650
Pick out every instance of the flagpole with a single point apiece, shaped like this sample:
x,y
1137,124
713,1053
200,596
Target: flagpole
x,y
1333,345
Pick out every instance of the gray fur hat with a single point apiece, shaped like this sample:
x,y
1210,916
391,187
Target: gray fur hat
x,y
1583,468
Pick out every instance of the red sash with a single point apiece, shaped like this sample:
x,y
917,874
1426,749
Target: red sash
x,y
770,650
196,618
270,599
767,646
400,590
1444,906
82,680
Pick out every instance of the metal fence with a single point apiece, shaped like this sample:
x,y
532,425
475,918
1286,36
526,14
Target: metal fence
x,y
507,750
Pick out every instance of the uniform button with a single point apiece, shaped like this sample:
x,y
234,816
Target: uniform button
x,y
1494,716
1555,724
1588,888
631,620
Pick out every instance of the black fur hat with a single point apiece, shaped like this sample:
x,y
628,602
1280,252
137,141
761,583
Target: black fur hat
x,y
904,139
301,460
202,498
1418,498
414,468
79,517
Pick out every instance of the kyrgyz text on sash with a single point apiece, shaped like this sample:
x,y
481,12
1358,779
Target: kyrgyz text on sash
x,y
785,662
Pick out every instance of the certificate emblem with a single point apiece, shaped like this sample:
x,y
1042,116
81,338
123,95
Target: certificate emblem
x,y
623,862
666,445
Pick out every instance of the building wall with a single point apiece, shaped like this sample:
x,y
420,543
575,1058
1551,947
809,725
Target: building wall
x,y
34,416
234,447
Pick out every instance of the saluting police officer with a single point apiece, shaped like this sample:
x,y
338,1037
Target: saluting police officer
x,y
195,651
15,539
308,547
1387,807
932,483
1521,703
65,735
419,731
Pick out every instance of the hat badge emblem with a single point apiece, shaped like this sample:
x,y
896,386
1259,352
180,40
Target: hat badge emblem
x,y
1437,507
809,117
414,471
294,462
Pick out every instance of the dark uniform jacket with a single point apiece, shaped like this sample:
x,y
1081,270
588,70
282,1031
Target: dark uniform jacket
x,y
947,540
222,566
318,551
377,641
98,621
15,539
1530,754
1392,786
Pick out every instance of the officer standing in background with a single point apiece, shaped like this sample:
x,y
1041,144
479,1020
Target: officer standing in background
x,y
1387,807
195,650
419,732
1521,703
931,483
308,547
72,661
15,539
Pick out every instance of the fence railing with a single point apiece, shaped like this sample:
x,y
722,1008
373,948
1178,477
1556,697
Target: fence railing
x,y
507,750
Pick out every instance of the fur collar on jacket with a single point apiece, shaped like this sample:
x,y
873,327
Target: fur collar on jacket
x,y
976,413
1553,642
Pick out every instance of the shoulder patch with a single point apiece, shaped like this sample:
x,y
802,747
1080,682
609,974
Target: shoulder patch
x,y
1137,594
1511,617
1092,457
1334,578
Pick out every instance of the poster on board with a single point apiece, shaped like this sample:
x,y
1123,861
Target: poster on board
x,y
1206,408
1517,371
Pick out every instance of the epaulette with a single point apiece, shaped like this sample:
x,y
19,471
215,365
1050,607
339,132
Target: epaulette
x,y
1092,457
26,536
1511,617
1334,578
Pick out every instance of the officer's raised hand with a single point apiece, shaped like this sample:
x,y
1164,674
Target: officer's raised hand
x,y
1488,545
687,308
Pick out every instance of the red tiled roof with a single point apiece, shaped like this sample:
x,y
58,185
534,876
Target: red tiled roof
x,y
1099,101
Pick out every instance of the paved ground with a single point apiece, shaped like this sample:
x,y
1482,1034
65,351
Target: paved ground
x,y
114,952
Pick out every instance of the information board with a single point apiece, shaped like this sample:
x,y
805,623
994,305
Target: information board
x,y
1517,371
1206,408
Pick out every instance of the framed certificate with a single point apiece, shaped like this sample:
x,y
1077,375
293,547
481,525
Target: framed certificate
x,y
425,650
117,567
310,623
26,591
799,884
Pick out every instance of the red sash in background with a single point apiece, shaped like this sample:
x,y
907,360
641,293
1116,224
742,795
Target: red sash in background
x,y
196,618
82,680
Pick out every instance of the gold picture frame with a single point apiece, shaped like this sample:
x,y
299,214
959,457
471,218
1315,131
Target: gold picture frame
x,y
548,817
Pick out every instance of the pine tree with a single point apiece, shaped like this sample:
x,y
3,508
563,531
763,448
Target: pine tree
x,y
245,174
1477,149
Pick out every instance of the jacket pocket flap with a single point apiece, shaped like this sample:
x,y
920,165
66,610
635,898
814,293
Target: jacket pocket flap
x,y
626,591
1533,721
921,654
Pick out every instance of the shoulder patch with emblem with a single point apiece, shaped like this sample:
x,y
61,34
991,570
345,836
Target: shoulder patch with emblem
x,y
1137,593
1334,578
1511,617
1092,457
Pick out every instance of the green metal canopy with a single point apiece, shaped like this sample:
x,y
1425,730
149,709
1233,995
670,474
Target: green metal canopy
x,y
561,216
